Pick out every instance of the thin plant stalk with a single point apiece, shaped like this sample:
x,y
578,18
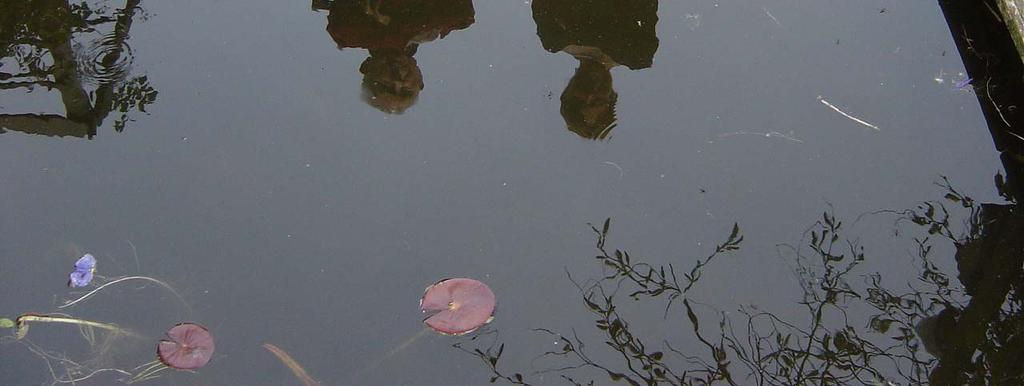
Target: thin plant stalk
x,y
399,348
123,279
149,371
147,365
69,366
72,380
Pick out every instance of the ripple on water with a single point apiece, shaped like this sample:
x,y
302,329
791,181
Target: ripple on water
x,y
104,61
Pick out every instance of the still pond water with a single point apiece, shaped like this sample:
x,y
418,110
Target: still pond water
x,y
300,174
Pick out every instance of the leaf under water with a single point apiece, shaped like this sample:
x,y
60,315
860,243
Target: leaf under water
x,y
294,366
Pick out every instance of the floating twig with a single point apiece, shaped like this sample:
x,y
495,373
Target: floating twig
x,y
22,323
769,134
616,166
853,118
769,13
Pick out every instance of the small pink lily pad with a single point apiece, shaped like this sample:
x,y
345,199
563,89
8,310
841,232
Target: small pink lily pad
x,y
459,306
188,346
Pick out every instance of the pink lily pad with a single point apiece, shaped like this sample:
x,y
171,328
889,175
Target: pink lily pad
x,y
459,306
188,346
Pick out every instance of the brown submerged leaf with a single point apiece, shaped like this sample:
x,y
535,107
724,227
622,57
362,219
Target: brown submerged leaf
x,y
294,366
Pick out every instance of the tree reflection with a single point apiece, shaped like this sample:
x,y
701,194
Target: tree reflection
x,y
53,44
965,328
976,335
600,34
392,31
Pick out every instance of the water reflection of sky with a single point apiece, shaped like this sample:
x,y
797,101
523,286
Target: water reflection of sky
x,y
288,210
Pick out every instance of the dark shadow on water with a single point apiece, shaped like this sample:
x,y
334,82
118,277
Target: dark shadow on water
x,y
392,31
601,35
53,46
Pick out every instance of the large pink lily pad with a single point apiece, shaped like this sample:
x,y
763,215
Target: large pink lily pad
x,y
188,346
459,306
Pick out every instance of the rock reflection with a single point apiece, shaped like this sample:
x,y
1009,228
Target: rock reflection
x,y
392,32
600,34
52,44
939,328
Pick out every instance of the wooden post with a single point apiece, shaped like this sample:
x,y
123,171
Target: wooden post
x,y
1012,12
994,64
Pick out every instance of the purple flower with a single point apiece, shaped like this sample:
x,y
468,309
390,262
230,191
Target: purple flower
x,y
963,84
84,268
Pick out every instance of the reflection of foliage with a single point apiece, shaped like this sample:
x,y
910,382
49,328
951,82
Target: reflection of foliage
x,y
40,42
624,30
827,348
653,281
28,27
642,364
134,95
490,356
941,331
934,215
90,17
980,317
588,102
32,65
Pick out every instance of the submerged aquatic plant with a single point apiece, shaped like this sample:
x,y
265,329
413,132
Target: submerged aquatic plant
x,y
185,348
85,267
62,368
459,306
294,366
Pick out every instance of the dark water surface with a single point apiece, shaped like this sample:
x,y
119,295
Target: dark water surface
x,y
300,175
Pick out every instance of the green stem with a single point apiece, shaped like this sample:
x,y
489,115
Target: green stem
x,y
22,323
